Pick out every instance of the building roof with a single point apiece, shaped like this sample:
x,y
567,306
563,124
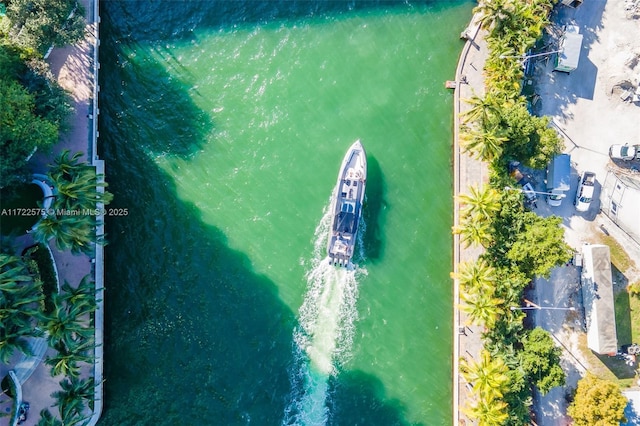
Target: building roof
x,y
621,202
597,293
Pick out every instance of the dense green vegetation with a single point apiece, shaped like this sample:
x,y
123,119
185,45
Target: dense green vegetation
x,y
72,221
41,265
34,108
67,325
20,302
33,111
597,402
519,245
36,25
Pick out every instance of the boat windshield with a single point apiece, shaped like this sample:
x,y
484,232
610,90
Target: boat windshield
x,y
346,218
345,222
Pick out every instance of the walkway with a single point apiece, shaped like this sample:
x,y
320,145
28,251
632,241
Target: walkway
x,y
467,172
74,68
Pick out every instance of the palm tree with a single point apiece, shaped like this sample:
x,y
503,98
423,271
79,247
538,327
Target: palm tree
x,y
82,296
20,297
494,14
483,144
474,230
10,342
488,412
64,326
47,419
488,377
75,233
484,203
504,72
71,398
482,110
65,361
481,306
65,166
81,191
476,274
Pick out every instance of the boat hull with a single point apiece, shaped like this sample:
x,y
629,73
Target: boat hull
x,y
346,206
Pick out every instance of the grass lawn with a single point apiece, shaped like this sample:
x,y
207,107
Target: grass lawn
x,y
627,313
619,258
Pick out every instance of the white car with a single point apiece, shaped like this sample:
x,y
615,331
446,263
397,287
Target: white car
x,y
624,152
584,194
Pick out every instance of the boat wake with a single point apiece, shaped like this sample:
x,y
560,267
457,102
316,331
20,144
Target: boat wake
x,y
323,339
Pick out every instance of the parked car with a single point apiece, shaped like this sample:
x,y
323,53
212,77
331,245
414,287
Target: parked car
x,y
558,179
624,152
584,194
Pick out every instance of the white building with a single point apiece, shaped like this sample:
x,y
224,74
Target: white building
x,y
597,294
620,201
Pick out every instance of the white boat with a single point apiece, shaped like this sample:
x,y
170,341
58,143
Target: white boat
x,y
346,205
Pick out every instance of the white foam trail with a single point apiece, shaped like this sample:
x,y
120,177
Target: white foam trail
x,y
323,339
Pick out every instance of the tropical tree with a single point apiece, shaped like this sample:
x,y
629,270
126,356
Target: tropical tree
x,y
20,298
70,400
38,24
48,419
64,326
66,166
540,246
494,14
474,230
488,377
78,191
71,232
476,274
510,282
483,144
65,361
484,203
81,297
540,359
482,306
77,184
483,110
488,412
597,402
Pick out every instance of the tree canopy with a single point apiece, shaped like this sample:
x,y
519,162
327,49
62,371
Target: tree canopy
x,y
540,246
38,24
597,402
540,359
33,109
21,130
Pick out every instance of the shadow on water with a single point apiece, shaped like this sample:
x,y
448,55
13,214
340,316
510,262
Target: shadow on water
x,y
192,332
143,20
359,399
184,126
193,335
373,211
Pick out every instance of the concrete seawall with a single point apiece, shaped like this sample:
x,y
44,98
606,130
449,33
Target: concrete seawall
x,y
467,171
98,269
